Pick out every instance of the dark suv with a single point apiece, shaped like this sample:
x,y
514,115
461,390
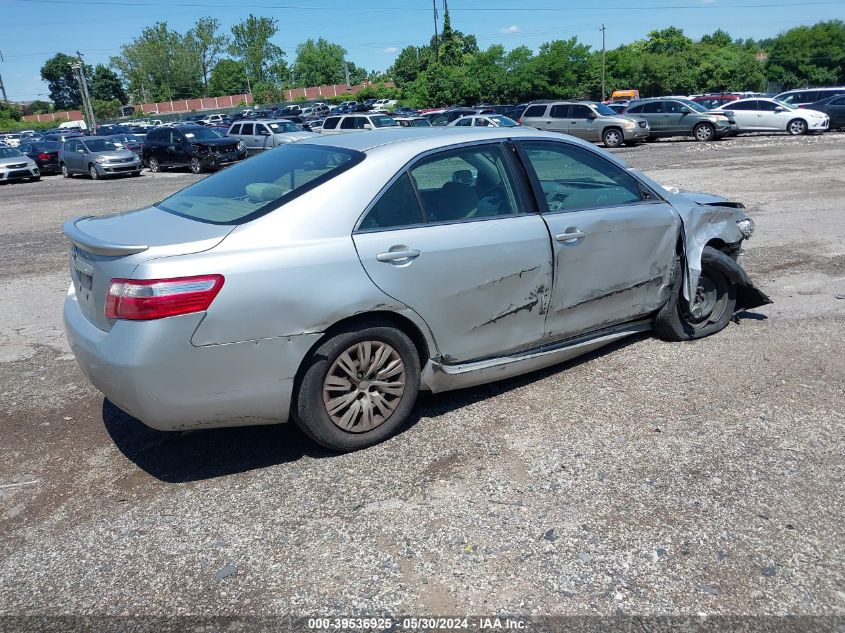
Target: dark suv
x,y
194,146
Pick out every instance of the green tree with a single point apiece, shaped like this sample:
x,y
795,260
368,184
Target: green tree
x,y
562,68
808,55
409,63
160,64
106,85
227,78
208,47
262,60
61,81
36,107
267,92
670,41
318,63
106,109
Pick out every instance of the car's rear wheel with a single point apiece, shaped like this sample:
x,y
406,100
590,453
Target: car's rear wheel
x,y
92,171
154,165
65,171
710,310
612,137
797,127
358,387
195,165
704,132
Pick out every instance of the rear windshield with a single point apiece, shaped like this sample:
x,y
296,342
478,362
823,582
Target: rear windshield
x,y
252,188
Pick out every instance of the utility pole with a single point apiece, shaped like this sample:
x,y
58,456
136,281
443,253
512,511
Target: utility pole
x,y
436,36
346,74
603,92
2,85
87,108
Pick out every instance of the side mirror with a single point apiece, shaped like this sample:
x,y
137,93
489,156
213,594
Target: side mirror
x,y
368,126
685,110
780,109
592,115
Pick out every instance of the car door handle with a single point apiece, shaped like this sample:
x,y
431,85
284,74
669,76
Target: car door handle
x,y
394,256
570,236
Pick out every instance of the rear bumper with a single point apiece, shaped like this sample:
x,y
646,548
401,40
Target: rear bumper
x,y
151,370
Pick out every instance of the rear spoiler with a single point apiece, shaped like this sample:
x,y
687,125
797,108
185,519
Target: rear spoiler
x,y
97,246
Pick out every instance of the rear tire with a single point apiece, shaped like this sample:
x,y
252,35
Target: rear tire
x,y
713,305
358,387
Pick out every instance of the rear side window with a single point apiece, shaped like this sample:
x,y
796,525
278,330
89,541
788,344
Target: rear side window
x,y
534,110
560,111
330,123
252,188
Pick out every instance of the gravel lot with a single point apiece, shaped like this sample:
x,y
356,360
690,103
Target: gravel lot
x,y
649,479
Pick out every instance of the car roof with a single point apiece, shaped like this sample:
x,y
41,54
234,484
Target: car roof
x,y
408,142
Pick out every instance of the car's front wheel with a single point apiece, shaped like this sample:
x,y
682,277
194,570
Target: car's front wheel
x,y
92,171
709,311
65,171
358,387
797,127
154,165
612,137
704,132
196,165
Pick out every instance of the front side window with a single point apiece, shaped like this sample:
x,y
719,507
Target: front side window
x,y
465,122
349,123
655,107
573,178
399,206
766,106
741,105
236,129
580,112
251,188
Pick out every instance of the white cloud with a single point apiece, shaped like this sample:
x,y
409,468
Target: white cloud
x,y
509,29
391,49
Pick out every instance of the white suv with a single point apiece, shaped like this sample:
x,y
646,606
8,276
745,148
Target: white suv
x,y
355,122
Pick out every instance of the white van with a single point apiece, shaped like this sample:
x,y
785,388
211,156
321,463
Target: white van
x,y
73,125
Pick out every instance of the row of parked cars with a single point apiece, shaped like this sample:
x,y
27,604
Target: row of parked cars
x,y
216,141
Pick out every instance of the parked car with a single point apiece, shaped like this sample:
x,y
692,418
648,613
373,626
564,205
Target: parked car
x,y
61,137
356,122
320,109
211,118
406,111
132,142
17,166
12,140
682,117
484,120
769,115
712,101
44,153
587,120
806,96
444,118
833,107
439,271
193,146
619,107
97,156
262,135
73,125
412,121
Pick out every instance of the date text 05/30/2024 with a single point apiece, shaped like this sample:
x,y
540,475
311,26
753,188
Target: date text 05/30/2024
x,y
421,623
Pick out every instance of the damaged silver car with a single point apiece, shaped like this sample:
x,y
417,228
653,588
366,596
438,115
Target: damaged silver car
x,y
331,280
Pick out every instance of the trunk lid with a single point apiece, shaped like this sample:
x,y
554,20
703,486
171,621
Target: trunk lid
x,y
113,246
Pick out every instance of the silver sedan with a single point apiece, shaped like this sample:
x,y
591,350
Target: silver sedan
x,y
329,281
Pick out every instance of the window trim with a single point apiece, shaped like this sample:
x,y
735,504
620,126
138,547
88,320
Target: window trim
x,y
540,196
406,168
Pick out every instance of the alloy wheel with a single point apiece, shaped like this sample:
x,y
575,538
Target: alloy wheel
x,y
364,386
154,165
797,127
196,166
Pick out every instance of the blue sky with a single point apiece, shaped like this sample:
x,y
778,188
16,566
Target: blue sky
x,y
373,31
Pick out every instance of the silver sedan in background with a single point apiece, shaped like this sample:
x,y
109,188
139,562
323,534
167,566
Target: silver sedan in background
x,y
98,157
330,280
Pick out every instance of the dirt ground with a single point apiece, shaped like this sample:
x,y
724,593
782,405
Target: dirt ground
x,y
648,479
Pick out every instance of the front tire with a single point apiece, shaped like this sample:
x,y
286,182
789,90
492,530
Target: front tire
x,y
154,165
92,171
704,132
196,166
65,171
358,387
710,311
797,127
612,137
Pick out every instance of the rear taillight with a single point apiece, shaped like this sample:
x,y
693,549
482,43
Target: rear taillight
x,y
145,299
44,156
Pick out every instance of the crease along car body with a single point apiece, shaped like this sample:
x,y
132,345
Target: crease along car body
x,y
329,280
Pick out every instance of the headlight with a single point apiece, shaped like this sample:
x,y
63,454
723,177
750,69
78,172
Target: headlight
x,y
630,125
241,146
746,227
101,159
31,164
